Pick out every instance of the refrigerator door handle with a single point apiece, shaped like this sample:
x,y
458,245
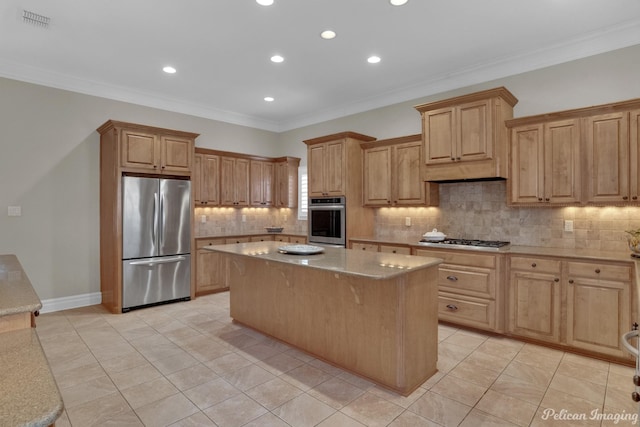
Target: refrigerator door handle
x,y
154,226
158,261
161,220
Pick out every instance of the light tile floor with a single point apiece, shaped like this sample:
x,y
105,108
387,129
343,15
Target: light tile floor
x,y
187,364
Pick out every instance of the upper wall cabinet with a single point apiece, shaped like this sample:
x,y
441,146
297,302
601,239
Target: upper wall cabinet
x,y
582,156
146,149
465,137
206,179
286,187
545,163
391,173
224,178
262,184
608,152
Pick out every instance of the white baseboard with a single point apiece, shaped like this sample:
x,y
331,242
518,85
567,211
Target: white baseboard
x,y
74,301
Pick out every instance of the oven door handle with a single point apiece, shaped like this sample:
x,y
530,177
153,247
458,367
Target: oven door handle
x,y
326,207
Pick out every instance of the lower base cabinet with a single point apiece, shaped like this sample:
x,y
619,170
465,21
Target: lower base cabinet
x,y
209,278
581,305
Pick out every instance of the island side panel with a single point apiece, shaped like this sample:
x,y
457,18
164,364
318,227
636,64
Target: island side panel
x,y
366,326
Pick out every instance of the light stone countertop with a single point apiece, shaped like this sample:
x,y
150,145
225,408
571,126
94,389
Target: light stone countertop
x,y
373,265
29,395
587,254
16,293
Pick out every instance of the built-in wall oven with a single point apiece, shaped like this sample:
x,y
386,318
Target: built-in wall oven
x,y
327,221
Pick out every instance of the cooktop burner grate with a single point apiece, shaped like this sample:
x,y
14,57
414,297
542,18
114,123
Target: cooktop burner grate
x,y
467,242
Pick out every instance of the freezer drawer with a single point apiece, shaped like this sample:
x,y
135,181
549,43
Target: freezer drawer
x,y
154,280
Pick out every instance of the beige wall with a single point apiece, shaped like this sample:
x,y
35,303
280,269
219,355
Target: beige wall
x,y
49,162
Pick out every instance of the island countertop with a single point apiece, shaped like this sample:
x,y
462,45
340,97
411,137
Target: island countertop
x,y
16,293
372,265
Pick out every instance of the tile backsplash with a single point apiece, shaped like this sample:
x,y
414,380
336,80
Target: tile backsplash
x,y
472,210
228,221
478,210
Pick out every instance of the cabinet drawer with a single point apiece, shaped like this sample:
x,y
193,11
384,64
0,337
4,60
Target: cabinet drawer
x,y
395,249
281,238
596,270
261,238
531,264
364,247
298,239
475,312
461,257
232,240
201,243
479,282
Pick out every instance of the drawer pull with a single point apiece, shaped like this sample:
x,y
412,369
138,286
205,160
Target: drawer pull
x,y
452,307
556,280
452,278
598,270
394,251
571,281
534,265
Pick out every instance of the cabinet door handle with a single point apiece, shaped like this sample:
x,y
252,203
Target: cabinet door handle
x,y
547,199
625,197
539,199
453,158
635,197
570,280
598,270
452,307
452,278
556,280
534,265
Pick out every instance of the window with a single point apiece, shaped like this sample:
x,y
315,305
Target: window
x,y
303,193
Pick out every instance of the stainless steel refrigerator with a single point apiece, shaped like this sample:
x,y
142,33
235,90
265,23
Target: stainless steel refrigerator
x,y
156,241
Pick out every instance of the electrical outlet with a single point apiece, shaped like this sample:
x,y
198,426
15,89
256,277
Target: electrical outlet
x,y
203,219
568,225
14,211
407,221
244,218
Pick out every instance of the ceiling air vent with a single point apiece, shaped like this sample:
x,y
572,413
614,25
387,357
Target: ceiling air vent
x,y
35,19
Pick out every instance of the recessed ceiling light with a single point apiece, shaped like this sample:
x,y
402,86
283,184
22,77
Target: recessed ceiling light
x,y
269,98
398,2
264,2
169,69
277,58
373,59
328,34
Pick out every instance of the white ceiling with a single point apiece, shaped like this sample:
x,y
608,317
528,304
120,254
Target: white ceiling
x,y
221,48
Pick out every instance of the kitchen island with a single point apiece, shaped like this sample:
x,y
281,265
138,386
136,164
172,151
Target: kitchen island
x,y
373,314
29,395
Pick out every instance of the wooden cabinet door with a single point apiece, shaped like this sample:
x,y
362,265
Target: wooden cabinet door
x,y
176,155
208,278
377,176
534,305
262,182
408,187
234,182
562,162
474,131
602,332
439,131
335,167
607,145
634,155
286,185
527,158
316,155
197,178
242,182
210,185
140,150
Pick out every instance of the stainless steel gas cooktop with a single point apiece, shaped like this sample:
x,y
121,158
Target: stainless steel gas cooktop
x,y
466,244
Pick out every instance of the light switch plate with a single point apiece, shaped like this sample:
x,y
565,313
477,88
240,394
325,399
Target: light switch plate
x,y
407,221
14,211
568,225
